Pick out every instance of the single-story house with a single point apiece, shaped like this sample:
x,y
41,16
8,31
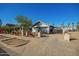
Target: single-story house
x,y
40,26
68,29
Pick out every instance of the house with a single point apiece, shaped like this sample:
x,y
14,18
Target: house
x,y
40,26
57,30
68,29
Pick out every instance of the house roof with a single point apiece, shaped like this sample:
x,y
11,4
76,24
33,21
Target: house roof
x,y
10,25
36,23
42,22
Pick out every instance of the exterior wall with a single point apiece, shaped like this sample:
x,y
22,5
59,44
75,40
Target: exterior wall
x,y
48,30
33,30
42,29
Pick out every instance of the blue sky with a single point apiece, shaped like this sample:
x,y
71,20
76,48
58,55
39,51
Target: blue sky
x,y
50,13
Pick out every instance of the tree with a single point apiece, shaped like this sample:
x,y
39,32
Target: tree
x,y
77,26
72,25
68,25
24,22
62,25
0,22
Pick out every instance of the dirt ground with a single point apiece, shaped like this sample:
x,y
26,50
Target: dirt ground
x,y
53,45
3,53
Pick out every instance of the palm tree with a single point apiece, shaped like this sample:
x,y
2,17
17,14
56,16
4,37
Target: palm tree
x,y
77,26
68,25
72,25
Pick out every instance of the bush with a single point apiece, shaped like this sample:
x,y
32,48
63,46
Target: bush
x,y
8,29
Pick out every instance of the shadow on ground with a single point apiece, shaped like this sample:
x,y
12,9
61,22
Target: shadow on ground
x,y
3,53
73,39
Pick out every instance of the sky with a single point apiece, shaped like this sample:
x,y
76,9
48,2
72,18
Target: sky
x,y
51,13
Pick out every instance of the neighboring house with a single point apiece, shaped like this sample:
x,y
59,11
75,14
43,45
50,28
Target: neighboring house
x,y
10,25
42,27
57,30
68,29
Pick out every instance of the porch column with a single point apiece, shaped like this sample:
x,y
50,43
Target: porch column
x,y
48,29
39,34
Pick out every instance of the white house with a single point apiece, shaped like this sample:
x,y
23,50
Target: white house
x,y
69,29
42,27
